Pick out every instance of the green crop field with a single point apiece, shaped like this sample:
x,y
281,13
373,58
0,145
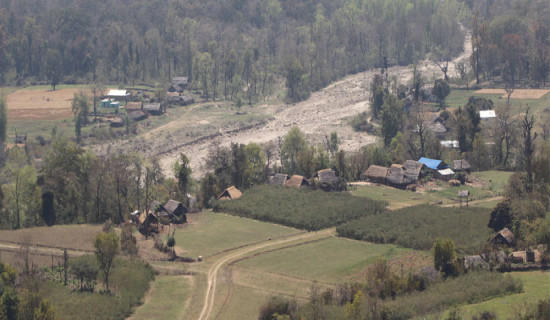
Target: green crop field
x,y
536,286
208,233
329,260
496,180
166,298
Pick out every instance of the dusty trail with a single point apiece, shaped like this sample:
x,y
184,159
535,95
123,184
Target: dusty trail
x,y
325,111
214,270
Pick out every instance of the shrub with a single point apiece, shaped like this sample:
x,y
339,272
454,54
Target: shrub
x,y
304,209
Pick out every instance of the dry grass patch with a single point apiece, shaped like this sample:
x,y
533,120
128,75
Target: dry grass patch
x,y
24,105
78,237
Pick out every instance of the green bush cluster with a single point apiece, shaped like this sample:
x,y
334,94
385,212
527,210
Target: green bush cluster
x,y
419,226
129,281
303,209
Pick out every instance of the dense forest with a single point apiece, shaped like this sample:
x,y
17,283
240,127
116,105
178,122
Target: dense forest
x,y
227,47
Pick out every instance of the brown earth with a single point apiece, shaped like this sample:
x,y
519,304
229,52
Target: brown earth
x,y
28,105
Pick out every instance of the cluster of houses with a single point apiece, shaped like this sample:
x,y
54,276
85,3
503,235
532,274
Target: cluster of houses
x,y
325,179
139,111
408,173
157,214
504,238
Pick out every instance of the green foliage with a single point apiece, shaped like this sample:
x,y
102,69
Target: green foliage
x,y
441,91
296,81
444,256
275,307
44,311
182,172
304,209
293,143
84,270
425,223
106,246
29,301
128,243
208,190
131,279
9,304
392,118
3,120
502,216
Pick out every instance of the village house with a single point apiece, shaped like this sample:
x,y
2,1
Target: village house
x,y
137,115
413,170
230,193
114,94
327,180
176,209
297,182
461,166
397,178
503,237
178,84
278,179
155,109
433,163
376,174
444,174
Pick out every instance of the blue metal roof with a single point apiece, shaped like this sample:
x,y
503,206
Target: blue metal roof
x,y
433,164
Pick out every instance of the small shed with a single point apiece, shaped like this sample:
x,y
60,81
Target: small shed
x,y
327,179
230,193
461,166
153,108
444,174
297,182
148,223
278,179
174,100
110,103
464,194
518,256
20,139
413,170
137,115
487,115
116,122
376,174
433,164
503,237
454,144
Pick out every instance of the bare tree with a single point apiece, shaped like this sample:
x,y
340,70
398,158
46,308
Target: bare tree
x,y
528,146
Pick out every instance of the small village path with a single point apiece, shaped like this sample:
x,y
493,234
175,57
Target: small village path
x,y
213,272
474,202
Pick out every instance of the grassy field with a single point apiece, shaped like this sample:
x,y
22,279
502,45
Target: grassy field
x,y
330,260
497,180
304,209
78,237
396,198
418,227
166,298
536,286
209,233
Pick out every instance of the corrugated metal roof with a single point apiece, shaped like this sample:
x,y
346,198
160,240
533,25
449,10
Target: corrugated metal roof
x,y
117,93
487,114
446,172
432,163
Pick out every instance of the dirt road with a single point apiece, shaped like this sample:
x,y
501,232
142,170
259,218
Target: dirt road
x,y
213,272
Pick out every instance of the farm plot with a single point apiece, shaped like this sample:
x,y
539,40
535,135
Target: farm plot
x,y
41,104
209,233
521,94
166,298
331,260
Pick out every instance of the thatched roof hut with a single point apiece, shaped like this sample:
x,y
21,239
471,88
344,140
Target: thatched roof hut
x,y
461,165
327,178
137,115
297,182
133,106
503,237
175,207
376,174
397,178
279,179
187,100
413,169
153,108
230,193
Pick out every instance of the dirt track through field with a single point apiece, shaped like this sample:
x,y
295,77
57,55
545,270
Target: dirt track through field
x,y
213,272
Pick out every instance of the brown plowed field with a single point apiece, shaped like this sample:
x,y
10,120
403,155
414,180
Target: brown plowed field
x,y
32,105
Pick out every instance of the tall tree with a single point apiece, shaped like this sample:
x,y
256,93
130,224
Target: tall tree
x,y
392,118
182,172
441,91
3,121
294,142
54,68
106,248
528,151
